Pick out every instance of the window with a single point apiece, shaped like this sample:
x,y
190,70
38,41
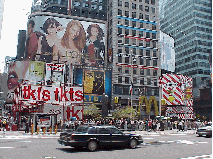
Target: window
x,y
119,69
154,62
119,79
134,72
153,27
127,50
103,131
153,35
119,12
133,6
153,2
77,3
141,61
133,23
141,71
148,62
127,13
127,70
133,32
148,72
140,33
153,10
127,60
120,30
119,3
140,15
127,33
85,5
94,6
92,131
141,7
147,8
141,50
127,4
146,17
154,72
147,43
147,52
149,81
141,25
133,14
142,81
147,35
127,80
147,1
119,50
134,78
126,22
114,131
154,44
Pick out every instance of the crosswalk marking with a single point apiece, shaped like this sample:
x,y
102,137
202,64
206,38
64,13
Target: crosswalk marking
x,y
199,157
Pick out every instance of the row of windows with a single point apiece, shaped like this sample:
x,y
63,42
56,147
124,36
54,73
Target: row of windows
x,y
89,14
138,33
139,61
124,90
191,51
194,57
193,65
150,44
127,80
195,72
135,6
87,5
134,51
138,71
137,15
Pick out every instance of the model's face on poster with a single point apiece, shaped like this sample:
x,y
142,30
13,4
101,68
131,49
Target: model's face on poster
x,y
94,31
52,29
74,31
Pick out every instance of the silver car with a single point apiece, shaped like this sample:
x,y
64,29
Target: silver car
x,y
205,131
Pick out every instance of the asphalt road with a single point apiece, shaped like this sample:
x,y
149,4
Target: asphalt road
x,y
166,146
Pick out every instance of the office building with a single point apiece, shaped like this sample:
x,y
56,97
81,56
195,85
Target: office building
x,y
132,42
1,14
190,24
95,9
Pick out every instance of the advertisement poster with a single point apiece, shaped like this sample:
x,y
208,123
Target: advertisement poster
x,y
167,52
62,40
18,71
95,83
54,74
36,72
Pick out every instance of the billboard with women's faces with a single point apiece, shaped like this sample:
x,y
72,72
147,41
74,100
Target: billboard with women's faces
x,y
63,40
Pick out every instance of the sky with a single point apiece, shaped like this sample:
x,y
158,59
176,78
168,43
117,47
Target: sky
x,y
15,17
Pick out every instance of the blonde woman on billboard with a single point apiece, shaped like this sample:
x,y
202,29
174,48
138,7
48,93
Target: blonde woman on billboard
x,y
72,43
48,44
94,48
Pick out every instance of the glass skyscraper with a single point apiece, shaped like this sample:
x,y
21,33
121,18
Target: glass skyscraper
x,y
190,24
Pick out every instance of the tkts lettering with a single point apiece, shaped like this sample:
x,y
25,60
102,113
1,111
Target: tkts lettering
x,y
52,94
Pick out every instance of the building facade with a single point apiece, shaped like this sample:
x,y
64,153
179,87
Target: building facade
x,y
190,24
132,42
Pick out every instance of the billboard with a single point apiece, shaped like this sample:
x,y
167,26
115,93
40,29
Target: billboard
x,y
36,72
95,83
167,52
54,74
66,40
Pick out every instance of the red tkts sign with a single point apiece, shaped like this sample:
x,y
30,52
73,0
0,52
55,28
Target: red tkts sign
x,y
54,95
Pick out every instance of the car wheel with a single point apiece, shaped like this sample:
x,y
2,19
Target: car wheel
x,y
133,144
92,145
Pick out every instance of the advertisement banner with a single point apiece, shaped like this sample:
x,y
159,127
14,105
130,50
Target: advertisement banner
x,y
167,52
95,83
36,72
54,74
64,40
53,95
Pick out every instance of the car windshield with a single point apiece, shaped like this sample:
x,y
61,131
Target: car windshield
x,y
82,129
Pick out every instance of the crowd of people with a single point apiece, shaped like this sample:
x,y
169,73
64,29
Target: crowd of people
x,y
138,125
123,124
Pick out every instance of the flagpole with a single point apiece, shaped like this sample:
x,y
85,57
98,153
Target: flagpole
x,y
131,85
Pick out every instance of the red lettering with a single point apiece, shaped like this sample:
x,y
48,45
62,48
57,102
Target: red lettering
x,y
56,94
64,94
28,92
68,112
46,95
71,94
80,95
39,93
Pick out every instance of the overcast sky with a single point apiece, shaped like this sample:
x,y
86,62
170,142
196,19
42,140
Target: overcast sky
x,y
14,19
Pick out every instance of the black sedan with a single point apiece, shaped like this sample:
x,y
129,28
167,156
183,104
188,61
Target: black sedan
x,y
94,136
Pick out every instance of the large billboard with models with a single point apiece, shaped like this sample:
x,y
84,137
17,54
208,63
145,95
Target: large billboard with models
x,y
65,40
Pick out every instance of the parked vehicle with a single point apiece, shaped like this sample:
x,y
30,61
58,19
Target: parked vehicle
x,y
205,131
94,136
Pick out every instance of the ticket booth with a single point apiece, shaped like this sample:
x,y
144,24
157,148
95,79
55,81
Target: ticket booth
x,y
43,121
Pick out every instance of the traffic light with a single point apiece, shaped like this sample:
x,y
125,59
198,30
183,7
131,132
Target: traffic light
x,y
116,100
